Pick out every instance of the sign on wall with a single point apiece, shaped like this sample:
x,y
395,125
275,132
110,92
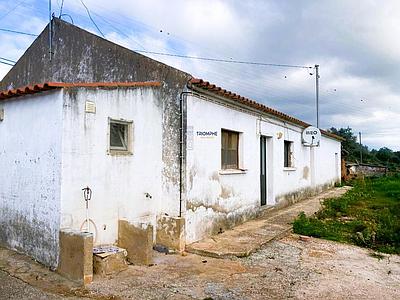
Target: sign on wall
x,y
207,134
311,136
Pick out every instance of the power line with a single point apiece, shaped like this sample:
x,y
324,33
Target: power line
x,y
224,60
61,8
9,60
90,17
118,30
6,63
187,56
179,55
11,10
18,32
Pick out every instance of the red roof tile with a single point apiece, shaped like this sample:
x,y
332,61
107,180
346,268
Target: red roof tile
x,y
212,88
37,88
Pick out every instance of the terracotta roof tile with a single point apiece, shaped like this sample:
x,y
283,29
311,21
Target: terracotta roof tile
x,y
212,88
37,88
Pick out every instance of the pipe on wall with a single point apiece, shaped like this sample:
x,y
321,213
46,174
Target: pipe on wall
x,y
182,112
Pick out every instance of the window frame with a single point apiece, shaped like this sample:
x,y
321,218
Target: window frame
x,y
128,138
288,154
235,166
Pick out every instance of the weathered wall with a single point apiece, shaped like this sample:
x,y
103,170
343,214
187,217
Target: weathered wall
x,y
80,56
30,160
219,199
119,182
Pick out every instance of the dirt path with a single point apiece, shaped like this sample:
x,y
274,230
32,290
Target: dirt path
x,y
289,268
249,237
12,288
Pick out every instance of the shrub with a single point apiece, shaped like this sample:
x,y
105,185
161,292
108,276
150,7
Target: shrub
x,y
368,216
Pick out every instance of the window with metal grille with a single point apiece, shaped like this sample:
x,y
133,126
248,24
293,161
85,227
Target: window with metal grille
x,y
288,154
120,136
229,149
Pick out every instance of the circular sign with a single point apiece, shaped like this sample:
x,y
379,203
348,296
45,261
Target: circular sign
x,y
311,136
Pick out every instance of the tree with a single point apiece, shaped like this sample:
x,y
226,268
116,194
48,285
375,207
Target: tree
x,y
384,156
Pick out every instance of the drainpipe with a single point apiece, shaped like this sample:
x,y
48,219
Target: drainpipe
x,y
181,152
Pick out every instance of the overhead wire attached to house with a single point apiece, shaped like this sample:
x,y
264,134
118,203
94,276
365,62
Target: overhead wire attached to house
x,y
225,60
91,19
7,61
190,57
18,32
11,10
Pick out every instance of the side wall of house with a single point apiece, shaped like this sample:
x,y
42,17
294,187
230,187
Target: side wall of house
x,y
218,199
119,183
80,56
30,164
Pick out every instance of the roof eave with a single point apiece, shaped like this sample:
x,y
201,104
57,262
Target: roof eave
x,y
205,87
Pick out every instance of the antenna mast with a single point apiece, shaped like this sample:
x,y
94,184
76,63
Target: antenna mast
x,y
317,92
50,33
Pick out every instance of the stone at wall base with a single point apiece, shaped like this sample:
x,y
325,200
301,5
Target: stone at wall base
x,y
171,232
137,239
109,263
76,256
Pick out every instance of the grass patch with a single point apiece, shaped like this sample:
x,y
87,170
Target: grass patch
x,y
368,215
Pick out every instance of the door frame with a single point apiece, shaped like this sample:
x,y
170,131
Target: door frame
x,y
263,171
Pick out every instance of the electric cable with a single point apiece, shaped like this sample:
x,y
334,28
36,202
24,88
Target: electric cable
x,y
11,10
9,60
18,32
90,17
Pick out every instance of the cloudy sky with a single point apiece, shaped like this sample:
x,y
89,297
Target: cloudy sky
x,y
356,44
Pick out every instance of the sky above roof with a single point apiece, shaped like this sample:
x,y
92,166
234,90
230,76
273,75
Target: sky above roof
x,y
355,43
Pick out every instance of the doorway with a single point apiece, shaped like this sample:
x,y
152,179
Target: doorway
x,y
263,169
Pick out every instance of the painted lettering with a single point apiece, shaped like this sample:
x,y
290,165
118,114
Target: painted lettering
x,y
207,133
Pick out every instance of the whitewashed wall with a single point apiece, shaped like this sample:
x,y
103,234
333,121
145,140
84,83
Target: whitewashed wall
x,y
30,176
216,199
119,182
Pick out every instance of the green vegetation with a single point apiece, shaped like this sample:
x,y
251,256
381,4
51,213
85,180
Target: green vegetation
x,y
384,156
368,215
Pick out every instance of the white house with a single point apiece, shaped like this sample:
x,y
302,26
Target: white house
x,y
243,156
157,148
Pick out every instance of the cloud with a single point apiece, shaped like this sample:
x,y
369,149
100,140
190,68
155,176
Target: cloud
x,y
355,45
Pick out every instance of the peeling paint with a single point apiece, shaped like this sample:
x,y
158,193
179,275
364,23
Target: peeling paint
x,y
30,189
306,171
219,199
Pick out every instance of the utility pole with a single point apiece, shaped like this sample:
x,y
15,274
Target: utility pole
x,y
359,134
317,92
50,33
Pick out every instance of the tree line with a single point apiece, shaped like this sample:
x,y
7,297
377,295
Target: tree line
x,y
384,156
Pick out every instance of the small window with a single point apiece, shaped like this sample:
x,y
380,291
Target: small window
x,y
120,136
288,149
229,150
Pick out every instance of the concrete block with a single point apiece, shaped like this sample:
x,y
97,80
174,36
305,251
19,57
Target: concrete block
x,y
109,263
171,232
137,239
76,256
